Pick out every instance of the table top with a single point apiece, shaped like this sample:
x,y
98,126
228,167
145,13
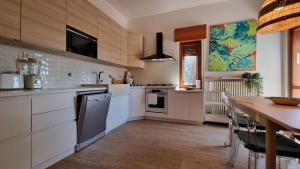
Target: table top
x,y
285,116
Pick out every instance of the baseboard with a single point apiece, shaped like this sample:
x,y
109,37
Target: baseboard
x,y
116,126
55,159
136,118
175,120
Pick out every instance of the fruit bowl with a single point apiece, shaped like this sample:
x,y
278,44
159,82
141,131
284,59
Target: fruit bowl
x,y
285,101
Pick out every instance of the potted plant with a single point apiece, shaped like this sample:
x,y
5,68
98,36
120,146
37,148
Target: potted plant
x,y
254,82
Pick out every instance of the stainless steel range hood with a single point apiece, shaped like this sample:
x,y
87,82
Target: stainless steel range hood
x,y
159,56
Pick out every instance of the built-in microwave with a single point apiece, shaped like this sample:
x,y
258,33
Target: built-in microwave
x,y
81,43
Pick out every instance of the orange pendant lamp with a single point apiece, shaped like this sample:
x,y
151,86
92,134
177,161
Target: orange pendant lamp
x,y
278,15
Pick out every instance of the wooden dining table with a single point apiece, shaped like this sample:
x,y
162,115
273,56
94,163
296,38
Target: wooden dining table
x,y
274,117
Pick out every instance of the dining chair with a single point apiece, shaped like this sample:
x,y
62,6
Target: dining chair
x,y
242,119
254,141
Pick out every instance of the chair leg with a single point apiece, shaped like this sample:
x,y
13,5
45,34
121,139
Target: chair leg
x,y
229,135
249,160
237,148
232,150
255,160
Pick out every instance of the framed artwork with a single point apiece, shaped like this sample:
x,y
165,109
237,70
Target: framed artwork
x,y
232,47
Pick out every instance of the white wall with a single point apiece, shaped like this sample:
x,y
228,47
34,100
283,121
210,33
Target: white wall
x,y
269,63
109,10
268,46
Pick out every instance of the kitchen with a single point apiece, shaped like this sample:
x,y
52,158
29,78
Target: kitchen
x,y
132,84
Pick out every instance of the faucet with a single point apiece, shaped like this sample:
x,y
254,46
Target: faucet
x,y
98,77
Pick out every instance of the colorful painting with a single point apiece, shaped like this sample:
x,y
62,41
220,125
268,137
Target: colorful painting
x,y
233,47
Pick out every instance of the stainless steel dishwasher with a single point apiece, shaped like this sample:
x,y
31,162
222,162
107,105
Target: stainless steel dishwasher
x,y
92,110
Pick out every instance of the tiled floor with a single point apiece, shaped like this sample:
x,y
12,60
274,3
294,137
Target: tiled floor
x,y
156,145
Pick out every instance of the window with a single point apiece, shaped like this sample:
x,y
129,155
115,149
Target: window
x,y
295,62
190,63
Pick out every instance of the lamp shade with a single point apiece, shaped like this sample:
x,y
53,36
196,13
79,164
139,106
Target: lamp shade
x,y
278,15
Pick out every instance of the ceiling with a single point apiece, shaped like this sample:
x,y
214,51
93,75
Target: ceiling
x,y
140,8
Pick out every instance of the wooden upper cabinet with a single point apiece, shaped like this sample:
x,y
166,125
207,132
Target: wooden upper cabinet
x,y
103,36
44,23
135,50
112,41
10,18
83,16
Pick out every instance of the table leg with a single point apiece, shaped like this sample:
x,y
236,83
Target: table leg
x,y
271,143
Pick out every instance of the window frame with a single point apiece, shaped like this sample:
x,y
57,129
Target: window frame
x,y
199,61
293,59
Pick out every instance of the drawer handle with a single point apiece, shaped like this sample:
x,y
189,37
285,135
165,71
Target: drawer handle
x,y
99,99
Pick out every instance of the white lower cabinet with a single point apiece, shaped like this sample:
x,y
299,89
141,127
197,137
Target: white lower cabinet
x,y
16,153
118,112
182,106
15,140
189,106
54,131
15,116
52,142
137,103
197,107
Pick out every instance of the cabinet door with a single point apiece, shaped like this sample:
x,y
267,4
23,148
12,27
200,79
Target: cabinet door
x,y
52,142
135,50
15,117
197,107
118,112
44,23
182,106
83,16
137,102
10,18
171,103
103,37
16,153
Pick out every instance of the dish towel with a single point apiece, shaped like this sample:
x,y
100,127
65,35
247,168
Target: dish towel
x,y
152,98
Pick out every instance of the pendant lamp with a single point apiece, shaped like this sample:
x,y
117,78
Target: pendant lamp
x,y
278,15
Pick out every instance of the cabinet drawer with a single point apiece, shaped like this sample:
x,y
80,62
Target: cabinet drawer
x,y
15,117
52,142
52,119
52,102
15,153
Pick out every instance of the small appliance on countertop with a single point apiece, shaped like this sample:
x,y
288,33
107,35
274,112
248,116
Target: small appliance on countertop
x,y
31,69
11,81
33,82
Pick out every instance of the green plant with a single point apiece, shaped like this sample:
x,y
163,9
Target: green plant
x,y
254,81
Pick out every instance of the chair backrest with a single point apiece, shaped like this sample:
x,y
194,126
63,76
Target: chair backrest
x,y
231,109
225,98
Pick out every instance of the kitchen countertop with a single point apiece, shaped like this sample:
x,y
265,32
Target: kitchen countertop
x,y
11,93
188,91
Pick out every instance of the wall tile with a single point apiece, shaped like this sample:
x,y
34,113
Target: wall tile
x,y
55,69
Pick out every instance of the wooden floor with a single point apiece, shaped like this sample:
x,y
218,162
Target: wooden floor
x,y
156,145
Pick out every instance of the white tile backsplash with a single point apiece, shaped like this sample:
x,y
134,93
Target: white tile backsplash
x,y
55,68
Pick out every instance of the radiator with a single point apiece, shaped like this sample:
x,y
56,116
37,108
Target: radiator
x,y
215,111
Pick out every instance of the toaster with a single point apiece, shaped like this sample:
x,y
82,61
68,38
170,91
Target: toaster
x,y
11,81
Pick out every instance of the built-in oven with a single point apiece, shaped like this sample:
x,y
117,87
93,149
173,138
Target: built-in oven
x,y
81,43
157,100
